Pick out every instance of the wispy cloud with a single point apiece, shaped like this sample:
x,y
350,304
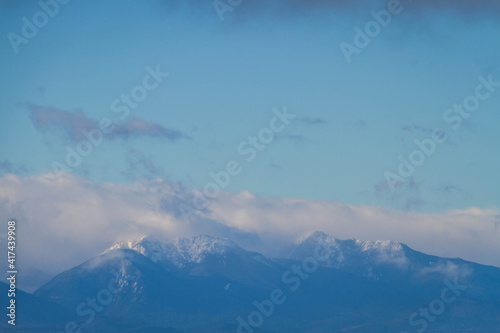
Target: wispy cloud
x,y
361,124
51,120
461,7
417,128
139,165
7,166
448,269
406,195
311,120
138,127
449,189
292,137
71,125
464,8
301,123
291,9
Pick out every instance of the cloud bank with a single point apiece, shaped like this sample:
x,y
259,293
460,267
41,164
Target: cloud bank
x,y
61,224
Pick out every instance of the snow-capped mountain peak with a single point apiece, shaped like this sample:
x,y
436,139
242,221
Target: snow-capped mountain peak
x,y
379,245
351,251
318,237
179,251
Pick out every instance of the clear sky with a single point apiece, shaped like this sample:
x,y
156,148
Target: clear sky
x,y
356,112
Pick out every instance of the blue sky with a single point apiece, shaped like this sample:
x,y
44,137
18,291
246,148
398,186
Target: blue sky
x,y
227,80
225,77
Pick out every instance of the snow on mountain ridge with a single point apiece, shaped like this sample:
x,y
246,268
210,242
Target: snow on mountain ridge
x,y
184,251
196,248
379,245
306,245
179,251
320,238
382,251
323,238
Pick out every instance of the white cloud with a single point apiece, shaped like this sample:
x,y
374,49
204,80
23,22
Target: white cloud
x,y
448,269
61,224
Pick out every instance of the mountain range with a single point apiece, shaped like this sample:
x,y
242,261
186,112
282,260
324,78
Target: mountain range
x,y
208,284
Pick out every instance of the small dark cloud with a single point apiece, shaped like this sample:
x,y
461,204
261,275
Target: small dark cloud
x,y
311,120
139,165
71,125
296,137
405,195
51,120
307,121
247,10
450,194
292,9
275,166
417,128
139,127
7,166
428,131
464,8
449,189
361,124
41,90
292,137
470,126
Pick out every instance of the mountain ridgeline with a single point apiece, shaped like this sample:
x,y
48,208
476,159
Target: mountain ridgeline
x,y
207,284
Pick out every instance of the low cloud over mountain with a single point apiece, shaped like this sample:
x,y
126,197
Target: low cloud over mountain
x,y
82,218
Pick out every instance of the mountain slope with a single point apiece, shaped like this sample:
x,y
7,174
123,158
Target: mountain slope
x,y
125,283
33,313
204,284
